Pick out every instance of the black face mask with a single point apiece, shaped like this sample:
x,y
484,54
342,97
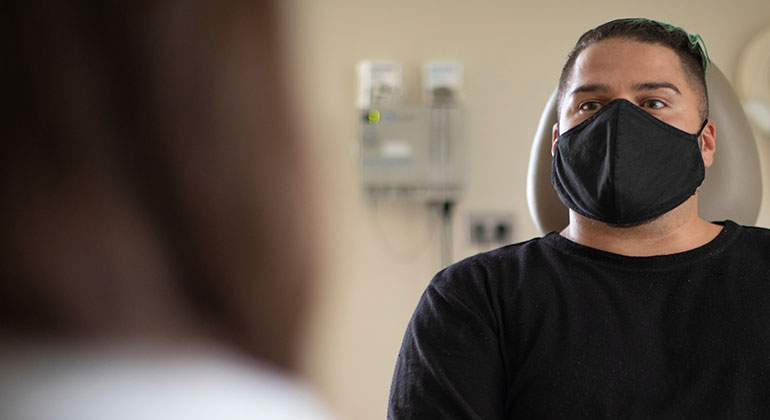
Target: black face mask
x,y
623,166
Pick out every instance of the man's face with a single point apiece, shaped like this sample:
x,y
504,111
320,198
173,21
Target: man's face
x,y
648,75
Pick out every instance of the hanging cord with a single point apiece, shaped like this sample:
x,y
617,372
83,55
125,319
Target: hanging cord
x,y
397,253
446,239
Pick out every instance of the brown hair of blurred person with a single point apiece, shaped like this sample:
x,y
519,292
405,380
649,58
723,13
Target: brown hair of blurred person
x,y
152,185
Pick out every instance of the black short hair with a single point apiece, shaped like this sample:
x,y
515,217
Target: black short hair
x,y
652,32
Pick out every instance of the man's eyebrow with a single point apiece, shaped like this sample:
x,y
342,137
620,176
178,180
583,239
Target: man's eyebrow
x,y
591,87
655,85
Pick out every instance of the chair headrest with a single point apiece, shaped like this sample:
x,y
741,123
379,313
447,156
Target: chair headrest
x,y
733,185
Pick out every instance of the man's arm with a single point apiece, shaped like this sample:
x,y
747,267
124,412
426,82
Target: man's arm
x,y
450,366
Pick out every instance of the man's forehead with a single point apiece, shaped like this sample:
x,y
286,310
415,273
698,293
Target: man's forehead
x,y
625,63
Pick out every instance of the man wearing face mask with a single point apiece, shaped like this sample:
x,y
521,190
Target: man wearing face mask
x,y
639,308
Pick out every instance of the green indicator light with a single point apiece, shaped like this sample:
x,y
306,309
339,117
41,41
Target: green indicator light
x,y
374,116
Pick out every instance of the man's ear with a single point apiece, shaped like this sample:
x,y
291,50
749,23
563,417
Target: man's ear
x,y
554,138
708,146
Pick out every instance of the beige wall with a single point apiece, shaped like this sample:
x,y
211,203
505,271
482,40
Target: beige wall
x,y
376,263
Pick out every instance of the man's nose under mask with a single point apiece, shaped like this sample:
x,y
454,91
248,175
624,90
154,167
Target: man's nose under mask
x,y
623,166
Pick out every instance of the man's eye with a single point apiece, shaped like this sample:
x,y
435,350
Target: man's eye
x,y
653,104
590,106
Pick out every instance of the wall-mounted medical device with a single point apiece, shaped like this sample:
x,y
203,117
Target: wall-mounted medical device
x,y
411,151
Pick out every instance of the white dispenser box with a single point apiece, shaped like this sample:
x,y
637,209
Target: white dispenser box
x,y
380,83
442,82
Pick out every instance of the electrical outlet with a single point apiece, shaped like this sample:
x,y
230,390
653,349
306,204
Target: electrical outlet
x,y
490,229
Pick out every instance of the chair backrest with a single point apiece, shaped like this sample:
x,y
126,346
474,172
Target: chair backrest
x,y
733,185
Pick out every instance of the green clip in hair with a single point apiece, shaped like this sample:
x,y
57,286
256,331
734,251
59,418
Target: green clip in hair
x,y
695,40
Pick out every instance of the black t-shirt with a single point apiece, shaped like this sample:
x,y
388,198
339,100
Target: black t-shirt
x,y
550,329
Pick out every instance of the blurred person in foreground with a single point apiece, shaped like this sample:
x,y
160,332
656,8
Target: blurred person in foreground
x,y
156,250
639,308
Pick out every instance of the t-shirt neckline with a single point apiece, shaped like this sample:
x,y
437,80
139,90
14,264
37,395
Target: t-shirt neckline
x,y
729,232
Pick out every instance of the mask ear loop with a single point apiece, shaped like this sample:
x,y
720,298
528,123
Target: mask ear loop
x,y
700,132
705,122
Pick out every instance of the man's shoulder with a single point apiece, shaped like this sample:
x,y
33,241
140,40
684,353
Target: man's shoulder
x,y
491,267
502,255
756,230
756,235
754,238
